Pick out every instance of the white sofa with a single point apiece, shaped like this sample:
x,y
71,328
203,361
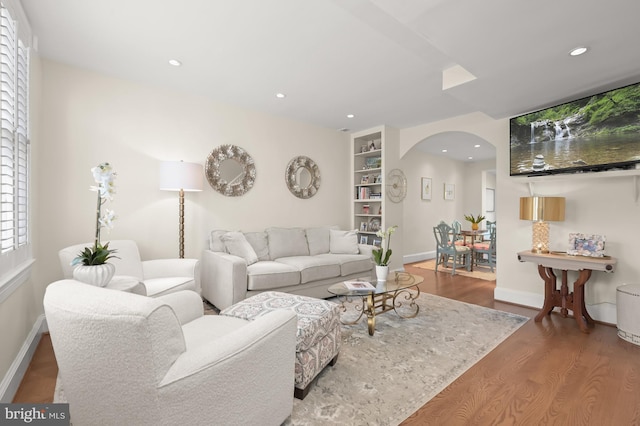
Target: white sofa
x,y
126,359
292,260
159,276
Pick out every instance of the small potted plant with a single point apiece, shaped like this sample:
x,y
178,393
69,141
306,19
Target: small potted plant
x,y
475,220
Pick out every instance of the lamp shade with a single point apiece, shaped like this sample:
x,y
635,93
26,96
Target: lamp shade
x,y
542,208
177,175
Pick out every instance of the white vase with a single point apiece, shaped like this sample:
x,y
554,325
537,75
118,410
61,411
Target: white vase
x,y
382,272
98,275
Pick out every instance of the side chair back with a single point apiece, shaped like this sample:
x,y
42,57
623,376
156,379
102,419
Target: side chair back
x,y
487,248
446,249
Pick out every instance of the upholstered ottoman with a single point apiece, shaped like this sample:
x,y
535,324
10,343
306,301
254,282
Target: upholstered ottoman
x,y
628,309
318,338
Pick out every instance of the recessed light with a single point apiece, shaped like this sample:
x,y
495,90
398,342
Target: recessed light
x,y
470,158
175,62
350,115
476,146
578,51
444,150
280,95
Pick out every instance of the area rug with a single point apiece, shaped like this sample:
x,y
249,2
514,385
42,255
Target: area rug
x,y
481,272
384,378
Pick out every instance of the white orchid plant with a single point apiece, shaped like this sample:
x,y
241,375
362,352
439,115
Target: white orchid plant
x,y
104,176
382,255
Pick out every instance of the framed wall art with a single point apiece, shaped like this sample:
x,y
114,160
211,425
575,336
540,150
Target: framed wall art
x,y
449,191
426,188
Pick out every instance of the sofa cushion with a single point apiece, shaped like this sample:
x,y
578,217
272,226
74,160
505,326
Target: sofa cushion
x,y
237,245
313,268
343,242
260,244
215,240
318,239
351,263
267,275
284,242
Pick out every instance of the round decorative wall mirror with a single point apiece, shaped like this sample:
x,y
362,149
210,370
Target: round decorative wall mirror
x,y
302,177
230,170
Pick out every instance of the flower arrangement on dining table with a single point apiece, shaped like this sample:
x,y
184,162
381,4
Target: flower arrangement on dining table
x,y
382,255
98,254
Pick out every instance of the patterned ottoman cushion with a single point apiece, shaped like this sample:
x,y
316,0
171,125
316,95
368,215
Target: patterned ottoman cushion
x,y
316,317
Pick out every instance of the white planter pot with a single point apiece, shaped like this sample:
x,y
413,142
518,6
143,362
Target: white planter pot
x,y
382,272
98,275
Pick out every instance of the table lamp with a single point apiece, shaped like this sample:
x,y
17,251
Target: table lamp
x,y
181,176
540,210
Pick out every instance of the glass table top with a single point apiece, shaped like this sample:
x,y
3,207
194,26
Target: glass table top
x,y
396,281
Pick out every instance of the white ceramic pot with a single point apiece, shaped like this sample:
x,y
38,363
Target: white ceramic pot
x,y
98,275
382,272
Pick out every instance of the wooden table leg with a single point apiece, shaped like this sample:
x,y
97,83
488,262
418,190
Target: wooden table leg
x,y
580,313
549,292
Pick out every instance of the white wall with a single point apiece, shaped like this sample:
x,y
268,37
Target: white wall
x,y
90,118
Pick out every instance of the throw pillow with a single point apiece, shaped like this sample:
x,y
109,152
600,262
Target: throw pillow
x,y
237,245
318,239
215,241
258,241
284,242
343,242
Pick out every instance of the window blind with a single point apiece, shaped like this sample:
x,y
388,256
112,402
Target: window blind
x,y
14,138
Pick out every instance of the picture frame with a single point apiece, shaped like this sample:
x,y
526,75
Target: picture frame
x,y
364,179
449,191
377,241
425,184
363,226
590,245
490,196
364,239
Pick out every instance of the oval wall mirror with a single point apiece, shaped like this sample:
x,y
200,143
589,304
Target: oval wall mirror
x,y
230,170
302,177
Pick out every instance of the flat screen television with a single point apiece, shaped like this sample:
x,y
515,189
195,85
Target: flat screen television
x,y
596,133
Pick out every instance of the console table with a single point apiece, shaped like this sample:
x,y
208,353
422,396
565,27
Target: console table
x,y
561,297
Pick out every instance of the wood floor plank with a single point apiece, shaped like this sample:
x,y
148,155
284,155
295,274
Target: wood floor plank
x,y
546,373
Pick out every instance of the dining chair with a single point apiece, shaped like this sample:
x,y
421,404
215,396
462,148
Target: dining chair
x,y
447,250
457,228
486,248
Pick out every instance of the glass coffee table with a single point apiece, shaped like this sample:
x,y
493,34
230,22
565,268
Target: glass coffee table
x,y
387,296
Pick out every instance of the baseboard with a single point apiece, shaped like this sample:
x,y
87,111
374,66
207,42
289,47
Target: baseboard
x,y
11,381
418,257
602,312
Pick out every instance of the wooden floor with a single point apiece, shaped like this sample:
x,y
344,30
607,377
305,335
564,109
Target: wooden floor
x,y
546,373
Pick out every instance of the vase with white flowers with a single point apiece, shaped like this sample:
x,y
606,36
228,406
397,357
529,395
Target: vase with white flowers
x,y
382,255
92,266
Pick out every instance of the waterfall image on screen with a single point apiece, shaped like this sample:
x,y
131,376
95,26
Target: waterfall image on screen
x,y
601,132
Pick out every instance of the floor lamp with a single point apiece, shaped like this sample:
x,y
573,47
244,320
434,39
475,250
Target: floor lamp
x,y
541,210
182,177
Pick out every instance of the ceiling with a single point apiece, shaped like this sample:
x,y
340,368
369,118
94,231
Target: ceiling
x,y
381,60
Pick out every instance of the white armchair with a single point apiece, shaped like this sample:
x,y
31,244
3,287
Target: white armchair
x,y
130,359
160,276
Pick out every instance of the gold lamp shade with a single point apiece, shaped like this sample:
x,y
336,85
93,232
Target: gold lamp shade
x,y
540,210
